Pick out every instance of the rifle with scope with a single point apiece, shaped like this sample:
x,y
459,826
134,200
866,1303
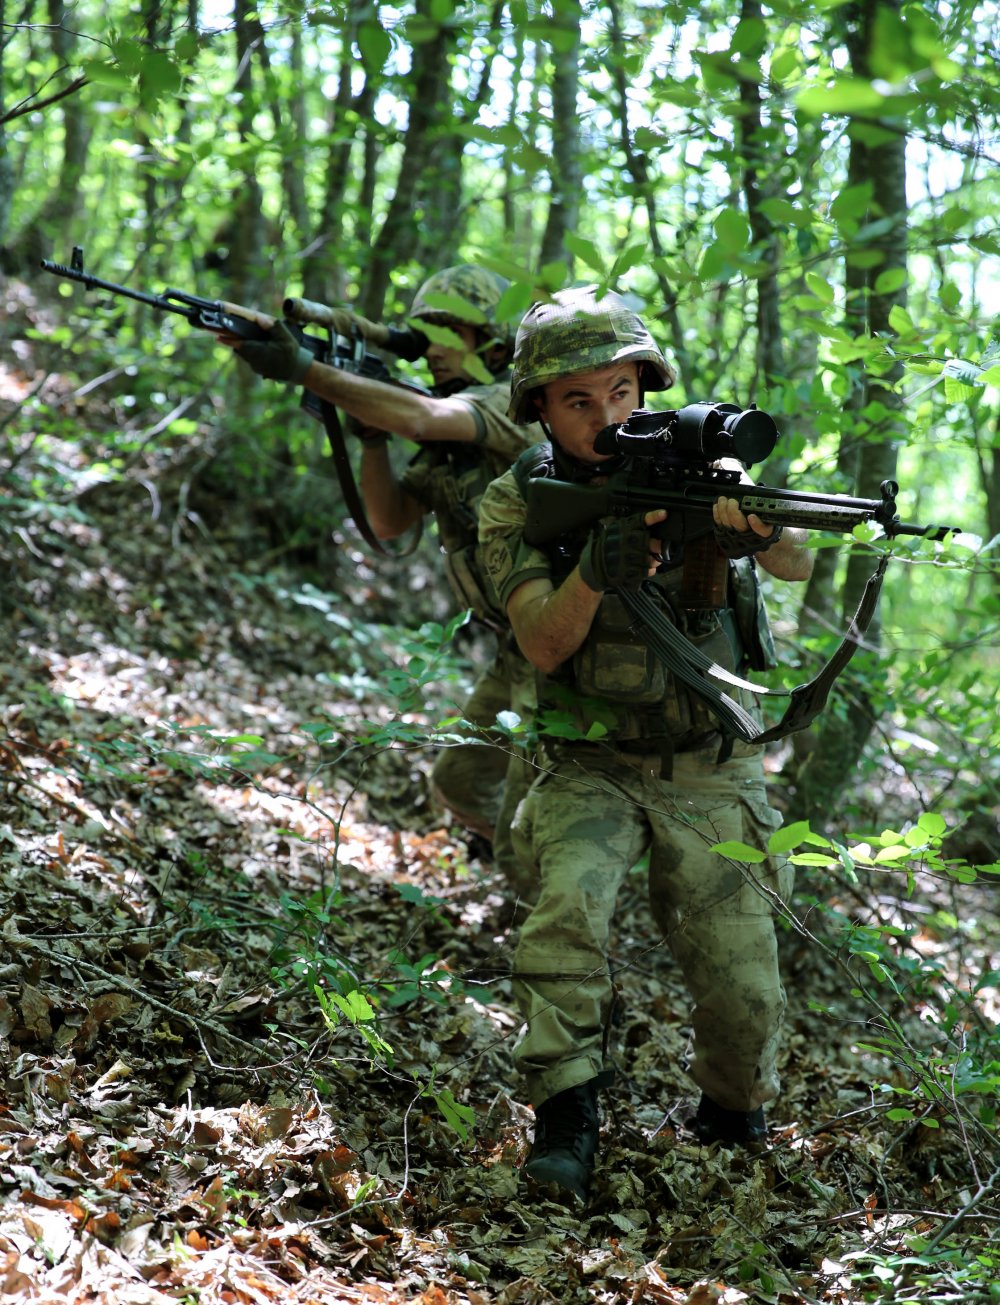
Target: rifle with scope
x,y
671,460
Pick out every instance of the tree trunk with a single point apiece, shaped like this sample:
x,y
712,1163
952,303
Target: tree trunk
x,y
644,190
440,194
322,263
757,146
397,237
40,234
6,171
878,156
565,173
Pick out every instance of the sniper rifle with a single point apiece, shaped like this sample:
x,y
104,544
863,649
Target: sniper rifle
x,y
671,460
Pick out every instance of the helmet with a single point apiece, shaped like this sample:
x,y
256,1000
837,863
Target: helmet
x,y
481,291
577,332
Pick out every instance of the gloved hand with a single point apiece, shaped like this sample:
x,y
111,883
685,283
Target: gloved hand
x,y
345,321
617,556
744,543
280,358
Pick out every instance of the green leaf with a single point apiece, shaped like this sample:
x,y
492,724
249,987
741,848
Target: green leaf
x,y
739,852
898,852
474,366
158,76
628,259
105,74
845,95
900,320
415,894
889,281
783,210
587,252
933,824
455,306
852,201
785,63
375,45
732,229
749,38
784,839
455,1114
820,286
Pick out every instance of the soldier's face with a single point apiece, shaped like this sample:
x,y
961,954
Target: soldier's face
x,y
577,408
447,363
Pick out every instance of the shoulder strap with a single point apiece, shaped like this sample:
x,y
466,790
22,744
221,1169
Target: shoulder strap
x,y
535,461
348,485
698,672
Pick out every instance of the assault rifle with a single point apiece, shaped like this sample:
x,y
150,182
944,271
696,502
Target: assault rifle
x,y
223,318
670,460
335,349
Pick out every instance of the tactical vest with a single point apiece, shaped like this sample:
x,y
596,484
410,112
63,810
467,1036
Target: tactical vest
x,y
454,485
617,680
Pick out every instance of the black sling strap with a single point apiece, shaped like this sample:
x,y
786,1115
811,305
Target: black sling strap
x,y
348,485
693,668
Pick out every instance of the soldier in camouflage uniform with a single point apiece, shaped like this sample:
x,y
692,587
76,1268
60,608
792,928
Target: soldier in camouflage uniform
x,y
466,441
659,778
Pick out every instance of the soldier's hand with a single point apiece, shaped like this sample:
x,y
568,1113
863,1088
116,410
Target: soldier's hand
x,y
620,555
370,436
738,535
279,358
347,322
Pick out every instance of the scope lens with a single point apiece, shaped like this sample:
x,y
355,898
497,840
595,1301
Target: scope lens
x,y
752,434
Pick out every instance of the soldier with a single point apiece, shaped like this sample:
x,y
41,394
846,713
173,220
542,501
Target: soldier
x,y
661,779
466,441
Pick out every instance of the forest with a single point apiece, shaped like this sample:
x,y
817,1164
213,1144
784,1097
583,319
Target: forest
x,y
256,1010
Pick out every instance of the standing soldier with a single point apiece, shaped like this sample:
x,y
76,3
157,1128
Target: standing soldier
x,y
662,778
466,441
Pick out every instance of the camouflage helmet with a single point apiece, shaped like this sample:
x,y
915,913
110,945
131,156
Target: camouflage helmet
x,y
577,332
479,289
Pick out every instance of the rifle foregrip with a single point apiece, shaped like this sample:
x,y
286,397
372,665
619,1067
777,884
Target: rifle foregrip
x,y
811,516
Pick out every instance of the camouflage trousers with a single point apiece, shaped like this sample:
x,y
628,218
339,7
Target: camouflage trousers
x,y
586,822
482,783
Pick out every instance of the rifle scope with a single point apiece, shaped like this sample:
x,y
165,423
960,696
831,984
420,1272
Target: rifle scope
x,y
704,431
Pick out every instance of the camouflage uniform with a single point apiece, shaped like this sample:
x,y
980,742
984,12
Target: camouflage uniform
x,y
589,818
479,784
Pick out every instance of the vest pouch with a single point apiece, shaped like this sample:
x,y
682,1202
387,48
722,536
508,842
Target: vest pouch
x,y
751,616
462,570
614,663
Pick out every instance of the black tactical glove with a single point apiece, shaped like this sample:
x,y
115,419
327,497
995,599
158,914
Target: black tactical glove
x,y
744,543
280,358
616,556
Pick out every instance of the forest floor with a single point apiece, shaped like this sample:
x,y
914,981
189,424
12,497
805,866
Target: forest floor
x,y
198,848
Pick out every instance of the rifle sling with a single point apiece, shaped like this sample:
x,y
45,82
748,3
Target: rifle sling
x,y
349,488
690,665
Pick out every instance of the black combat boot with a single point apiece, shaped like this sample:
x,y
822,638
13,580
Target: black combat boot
x,y
714,1123
566,1129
